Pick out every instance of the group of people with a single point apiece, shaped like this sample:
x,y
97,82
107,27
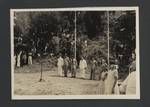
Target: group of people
x,y
111,85
65,65
108,74
22,58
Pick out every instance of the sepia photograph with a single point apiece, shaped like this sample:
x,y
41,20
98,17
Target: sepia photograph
x,y
75,53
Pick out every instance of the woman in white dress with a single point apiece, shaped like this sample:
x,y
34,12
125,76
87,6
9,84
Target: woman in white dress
x,y
83,66
30,58
60,64
18,59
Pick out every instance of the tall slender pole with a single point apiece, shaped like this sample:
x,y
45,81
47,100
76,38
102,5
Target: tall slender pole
x,y
75,31
108,37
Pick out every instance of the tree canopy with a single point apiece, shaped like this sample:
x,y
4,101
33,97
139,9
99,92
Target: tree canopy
x,y
54,31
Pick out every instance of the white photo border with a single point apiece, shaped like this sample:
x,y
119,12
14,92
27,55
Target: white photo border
x,y
71,97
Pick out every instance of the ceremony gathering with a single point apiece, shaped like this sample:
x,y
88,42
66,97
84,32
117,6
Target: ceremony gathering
x,y
74,52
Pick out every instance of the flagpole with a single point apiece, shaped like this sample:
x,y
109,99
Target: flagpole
x,y
75,31
108,37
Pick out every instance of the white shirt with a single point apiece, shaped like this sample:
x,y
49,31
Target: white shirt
x,y
83,64
60,61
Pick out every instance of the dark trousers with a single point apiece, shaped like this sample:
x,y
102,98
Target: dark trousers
x,y
92,77
73,73
65,71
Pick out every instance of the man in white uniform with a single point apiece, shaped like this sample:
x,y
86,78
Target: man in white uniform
x,y
83,66
60,64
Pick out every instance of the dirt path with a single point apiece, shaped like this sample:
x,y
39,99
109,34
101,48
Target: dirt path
x,y
27,84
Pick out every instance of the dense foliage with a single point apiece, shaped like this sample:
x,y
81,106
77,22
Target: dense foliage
x,y
54,32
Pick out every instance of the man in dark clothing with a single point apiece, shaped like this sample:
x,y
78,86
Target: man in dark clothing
x,y
104,68
66,65
73,68
93,69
